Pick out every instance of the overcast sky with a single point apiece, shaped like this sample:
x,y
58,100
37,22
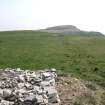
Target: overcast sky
x,y
34,14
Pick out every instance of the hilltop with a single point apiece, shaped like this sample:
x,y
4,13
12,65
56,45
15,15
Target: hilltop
x,y
80,57
70,29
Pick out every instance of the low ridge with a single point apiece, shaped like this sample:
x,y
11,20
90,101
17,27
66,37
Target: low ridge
x,y
64,28
70,29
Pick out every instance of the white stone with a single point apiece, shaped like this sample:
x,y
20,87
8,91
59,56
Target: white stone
x,y
3,102
18,69
1,92
6,92
53,70
45,83
21,78
39,98
21,85
47,74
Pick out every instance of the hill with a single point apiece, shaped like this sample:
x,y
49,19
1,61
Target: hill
x,y
70,29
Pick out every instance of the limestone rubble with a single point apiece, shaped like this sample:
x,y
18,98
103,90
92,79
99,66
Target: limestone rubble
x,y
26,87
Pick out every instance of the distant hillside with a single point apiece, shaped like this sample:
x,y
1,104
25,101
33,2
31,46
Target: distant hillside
x,y
64,28
69,29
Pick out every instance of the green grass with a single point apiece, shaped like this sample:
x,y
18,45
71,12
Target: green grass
x,y
83,56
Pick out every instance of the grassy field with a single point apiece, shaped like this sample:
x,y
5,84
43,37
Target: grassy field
x,y
82,56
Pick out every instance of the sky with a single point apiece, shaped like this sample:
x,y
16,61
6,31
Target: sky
x,y
87,15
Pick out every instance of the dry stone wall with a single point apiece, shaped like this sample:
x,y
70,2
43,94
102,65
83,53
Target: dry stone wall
x,y
25,87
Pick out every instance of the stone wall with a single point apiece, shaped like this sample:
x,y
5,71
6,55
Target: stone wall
x,y
26,87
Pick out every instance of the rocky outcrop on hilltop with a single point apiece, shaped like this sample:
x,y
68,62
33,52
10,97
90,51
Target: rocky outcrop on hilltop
x,y
18,87
62,29
65,28
71,30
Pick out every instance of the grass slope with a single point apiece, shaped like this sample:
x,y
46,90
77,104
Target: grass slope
x,y
83,56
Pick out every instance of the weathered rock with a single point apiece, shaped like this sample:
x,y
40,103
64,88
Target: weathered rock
x,y
47,76
21,78
29,86
53,98
21,85
4,102
52,94
7,93
31,97
1,92
35,81
41,100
